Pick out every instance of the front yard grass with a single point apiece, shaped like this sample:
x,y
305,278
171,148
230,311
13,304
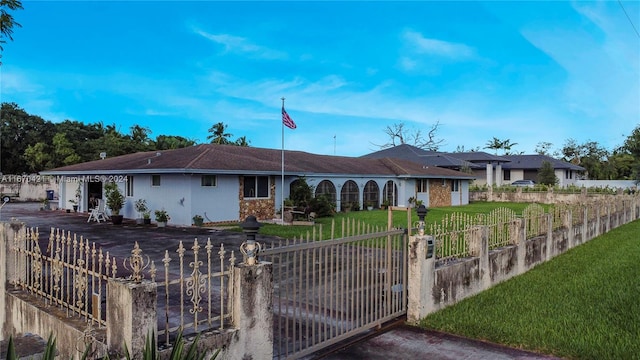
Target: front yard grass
x,y
378,218
584,304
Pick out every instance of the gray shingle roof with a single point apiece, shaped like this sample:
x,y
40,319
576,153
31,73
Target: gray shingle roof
x,y
415,154
209,158
535,162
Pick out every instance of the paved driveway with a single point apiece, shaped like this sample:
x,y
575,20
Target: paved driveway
x,y
120,239
401,342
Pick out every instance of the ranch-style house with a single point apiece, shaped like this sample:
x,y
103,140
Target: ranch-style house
x,y
228,183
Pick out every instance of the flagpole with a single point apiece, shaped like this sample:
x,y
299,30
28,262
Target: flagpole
x,y
282,174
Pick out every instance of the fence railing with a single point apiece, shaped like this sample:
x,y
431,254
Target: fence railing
x,y
70,273
454,233
193,292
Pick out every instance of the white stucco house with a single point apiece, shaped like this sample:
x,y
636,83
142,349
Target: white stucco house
x,y
228,183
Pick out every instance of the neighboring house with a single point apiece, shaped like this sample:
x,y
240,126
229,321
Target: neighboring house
x,y
459,187
228,183
526,167
488,169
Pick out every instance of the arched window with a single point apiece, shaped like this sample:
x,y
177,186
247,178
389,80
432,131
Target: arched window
x,y
326,187
390,193
350,195
371,194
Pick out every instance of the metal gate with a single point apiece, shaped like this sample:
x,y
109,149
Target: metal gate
x,y
327,291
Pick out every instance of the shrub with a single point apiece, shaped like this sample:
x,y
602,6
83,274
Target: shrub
x,y
322,206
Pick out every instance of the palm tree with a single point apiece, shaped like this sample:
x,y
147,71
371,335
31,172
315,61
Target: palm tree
x,y
242,141
497,144
7,23
494,144
218,134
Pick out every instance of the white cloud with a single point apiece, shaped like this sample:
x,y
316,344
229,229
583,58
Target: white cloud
x,y
422,45
240,45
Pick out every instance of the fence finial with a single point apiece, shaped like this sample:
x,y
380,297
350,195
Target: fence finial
x,y
250,248
136,263
422,213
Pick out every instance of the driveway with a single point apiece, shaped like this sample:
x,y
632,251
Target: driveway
x,y
399,342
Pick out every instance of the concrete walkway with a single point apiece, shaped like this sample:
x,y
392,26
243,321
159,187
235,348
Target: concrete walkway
x,y
402,342
408,342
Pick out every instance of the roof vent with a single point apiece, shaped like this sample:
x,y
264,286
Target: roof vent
x,y
148,161
103,155
158,153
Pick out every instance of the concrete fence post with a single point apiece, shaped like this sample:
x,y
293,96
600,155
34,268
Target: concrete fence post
x,y
598,214
568,224
608,224
485,266
520,241
421,277
585,225
549,236
251,310
8,232
131,315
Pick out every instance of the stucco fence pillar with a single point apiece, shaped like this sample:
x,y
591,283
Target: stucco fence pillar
x,y
131,315
421,276
252,312
8,232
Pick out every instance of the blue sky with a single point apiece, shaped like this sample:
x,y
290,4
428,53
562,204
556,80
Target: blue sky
x,y
524,71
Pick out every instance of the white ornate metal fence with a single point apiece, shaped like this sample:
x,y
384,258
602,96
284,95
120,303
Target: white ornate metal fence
x,y
71,273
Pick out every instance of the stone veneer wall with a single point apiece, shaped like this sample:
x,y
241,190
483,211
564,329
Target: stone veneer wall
x,y
439,195
260,208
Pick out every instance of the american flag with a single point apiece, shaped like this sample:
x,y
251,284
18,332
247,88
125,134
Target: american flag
x,y
286,120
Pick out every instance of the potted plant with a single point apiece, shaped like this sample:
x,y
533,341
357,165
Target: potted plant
x,y
369,205
162,217
198,220
146,217
384,205
115,202
141,208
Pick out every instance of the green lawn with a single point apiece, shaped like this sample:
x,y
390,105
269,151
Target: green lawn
x,y
379,218
584,304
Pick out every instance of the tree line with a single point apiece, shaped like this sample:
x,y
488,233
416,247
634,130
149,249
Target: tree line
x,y
29,144
621,163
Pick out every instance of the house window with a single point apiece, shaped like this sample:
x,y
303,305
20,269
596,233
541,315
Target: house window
x,y
208,180
129,186
155,180
506,174
455,185
568,174
256,186
422,185
326,187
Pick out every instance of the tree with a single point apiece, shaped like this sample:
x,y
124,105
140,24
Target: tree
x,y
7,23
589,155
544,148
63,150
546,174
18,129
140,135
242,141
632,146
497,144
218,134
399,135
167,142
